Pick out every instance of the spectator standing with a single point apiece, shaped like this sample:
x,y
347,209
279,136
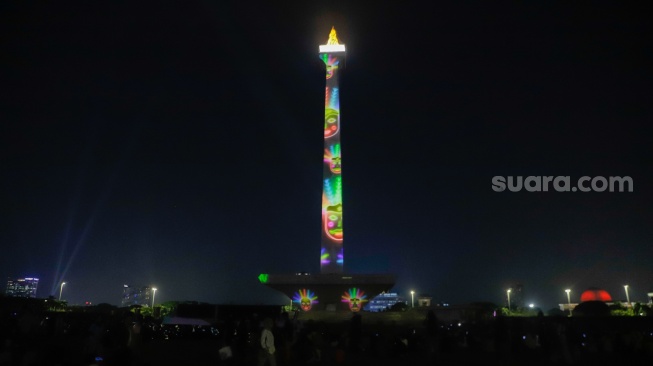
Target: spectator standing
x,y
266,354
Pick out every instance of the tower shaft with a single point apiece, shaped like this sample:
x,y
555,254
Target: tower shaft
x,y
332,255
330,290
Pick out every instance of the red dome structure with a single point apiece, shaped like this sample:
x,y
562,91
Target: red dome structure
x,y
595,294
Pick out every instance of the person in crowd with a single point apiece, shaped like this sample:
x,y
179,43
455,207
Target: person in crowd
x,y
267,352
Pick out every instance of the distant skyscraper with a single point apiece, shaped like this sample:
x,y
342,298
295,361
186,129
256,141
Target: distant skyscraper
x,y
331,255
136,296
22,287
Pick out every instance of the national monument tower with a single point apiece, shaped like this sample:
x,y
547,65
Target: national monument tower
x,y
332,289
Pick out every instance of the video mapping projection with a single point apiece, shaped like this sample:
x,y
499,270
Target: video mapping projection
x,y
305,298
331,256
355,298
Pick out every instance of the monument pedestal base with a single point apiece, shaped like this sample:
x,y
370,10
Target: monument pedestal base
x,y
330,292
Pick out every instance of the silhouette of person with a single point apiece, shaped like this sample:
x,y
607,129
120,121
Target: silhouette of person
x,y
267,353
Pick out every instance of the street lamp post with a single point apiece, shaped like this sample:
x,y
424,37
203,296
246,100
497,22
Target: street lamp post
x,y
508,292
153,294
568,299
627,297
412,299
61,290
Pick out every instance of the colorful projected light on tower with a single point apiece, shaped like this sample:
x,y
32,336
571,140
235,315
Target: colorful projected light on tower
x,y
336,290
331,256
305,298
354,298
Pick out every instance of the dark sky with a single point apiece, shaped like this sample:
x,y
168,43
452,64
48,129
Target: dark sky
x,y
179,144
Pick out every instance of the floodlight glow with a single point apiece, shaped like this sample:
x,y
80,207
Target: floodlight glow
x,y
153,295
332,48
61,290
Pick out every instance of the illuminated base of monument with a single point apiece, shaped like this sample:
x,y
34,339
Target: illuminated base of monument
x,y
330,292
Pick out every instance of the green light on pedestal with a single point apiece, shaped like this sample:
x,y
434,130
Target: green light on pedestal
x,y
263,277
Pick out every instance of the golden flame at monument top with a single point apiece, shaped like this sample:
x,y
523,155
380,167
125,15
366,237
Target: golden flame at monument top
x,y
333,38
332,44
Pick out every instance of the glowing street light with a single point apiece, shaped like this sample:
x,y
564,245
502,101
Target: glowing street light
x,y
508,292
153,294
412,299
627,297
61,290
568,291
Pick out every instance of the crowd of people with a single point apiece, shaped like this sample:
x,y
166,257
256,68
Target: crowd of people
x,y
30,337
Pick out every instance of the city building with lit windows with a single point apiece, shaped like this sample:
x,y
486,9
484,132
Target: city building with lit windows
x,y
384,301
22,287
136,296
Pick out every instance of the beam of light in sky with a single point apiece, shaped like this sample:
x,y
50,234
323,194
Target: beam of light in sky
x,y
56,278
100,203
80,242
84,163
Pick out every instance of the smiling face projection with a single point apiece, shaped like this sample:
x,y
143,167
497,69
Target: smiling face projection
x,y
355,299
330,122
334,165
332,157
305,298
333,222
305,304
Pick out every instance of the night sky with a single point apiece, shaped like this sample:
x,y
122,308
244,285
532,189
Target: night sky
x,y
179,145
